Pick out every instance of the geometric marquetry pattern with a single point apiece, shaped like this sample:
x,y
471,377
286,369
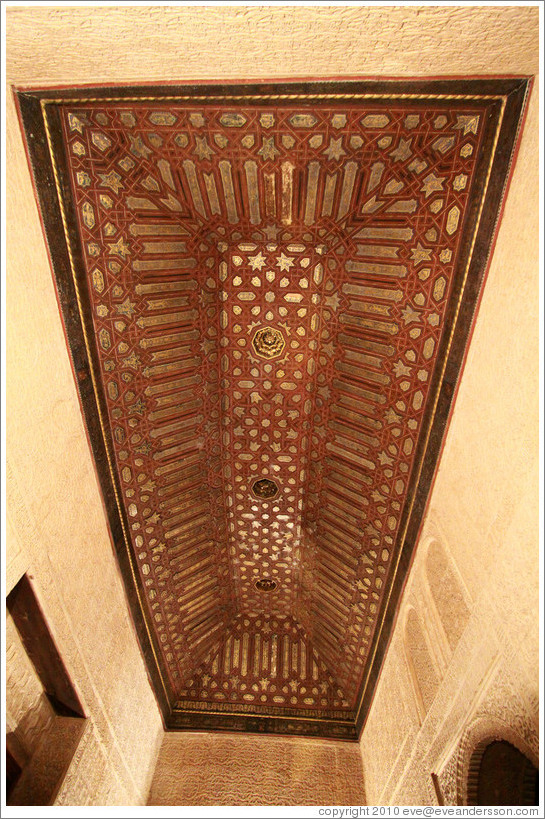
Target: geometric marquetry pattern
x,y
324,236
267,661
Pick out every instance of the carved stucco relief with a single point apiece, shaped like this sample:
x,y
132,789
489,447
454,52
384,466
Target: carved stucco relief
x,y
502,715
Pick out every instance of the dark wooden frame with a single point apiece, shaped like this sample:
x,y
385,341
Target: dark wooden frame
x,y
510,95
42,651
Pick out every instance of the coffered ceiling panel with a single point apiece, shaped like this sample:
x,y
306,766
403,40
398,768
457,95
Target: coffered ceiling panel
x,y
267,292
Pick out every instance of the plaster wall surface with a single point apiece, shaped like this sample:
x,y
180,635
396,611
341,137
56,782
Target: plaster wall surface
x,y
28,712
206,769
276,41
483,506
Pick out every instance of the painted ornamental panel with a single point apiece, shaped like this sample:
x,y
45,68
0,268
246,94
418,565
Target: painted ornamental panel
x,y
268,292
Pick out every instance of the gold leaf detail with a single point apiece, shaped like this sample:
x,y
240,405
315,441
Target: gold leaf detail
x,y
98,280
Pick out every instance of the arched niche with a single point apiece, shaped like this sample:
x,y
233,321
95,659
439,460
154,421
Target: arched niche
x,y
482,732
446,592
422,671
500,774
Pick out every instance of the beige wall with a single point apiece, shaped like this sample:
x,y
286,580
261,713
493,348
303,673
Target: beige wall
x,y
483,506
225,769
29,715
84,45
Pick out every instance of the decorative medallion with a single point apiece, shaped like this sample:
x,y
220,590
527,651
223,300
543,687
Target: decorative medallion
x,y
265,488
265,584
268,342
269,287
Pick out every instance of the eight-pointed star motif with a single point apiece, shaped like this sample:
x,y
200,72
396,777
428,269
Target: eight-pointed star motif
x,y
284,262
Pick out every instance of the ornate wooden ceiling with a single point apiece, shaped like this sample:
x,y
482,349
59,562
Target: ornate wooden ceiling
x,y
267,292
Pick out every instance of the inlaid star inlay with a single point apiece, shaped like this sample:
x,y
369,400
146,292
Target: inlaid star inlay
x,y
111,180
268,150
126,308
432,183
120,248
392,417
420,254
403,150
410,315
284,262
202,148
335,149
271,232
257,262
400,369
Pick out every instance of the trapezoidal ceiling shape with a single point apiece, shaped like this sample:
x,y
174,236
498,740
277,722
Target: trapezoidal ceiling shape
x,y
267,292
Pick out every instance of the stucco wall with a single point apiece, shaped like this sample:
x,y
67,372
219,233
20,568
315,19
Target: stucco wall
x,y
483,505
28,713
152,43
225,769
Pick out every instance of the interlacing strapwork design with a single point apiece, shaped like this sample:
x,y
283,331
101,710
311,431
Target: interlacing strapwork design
x,y
266,661
269,287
